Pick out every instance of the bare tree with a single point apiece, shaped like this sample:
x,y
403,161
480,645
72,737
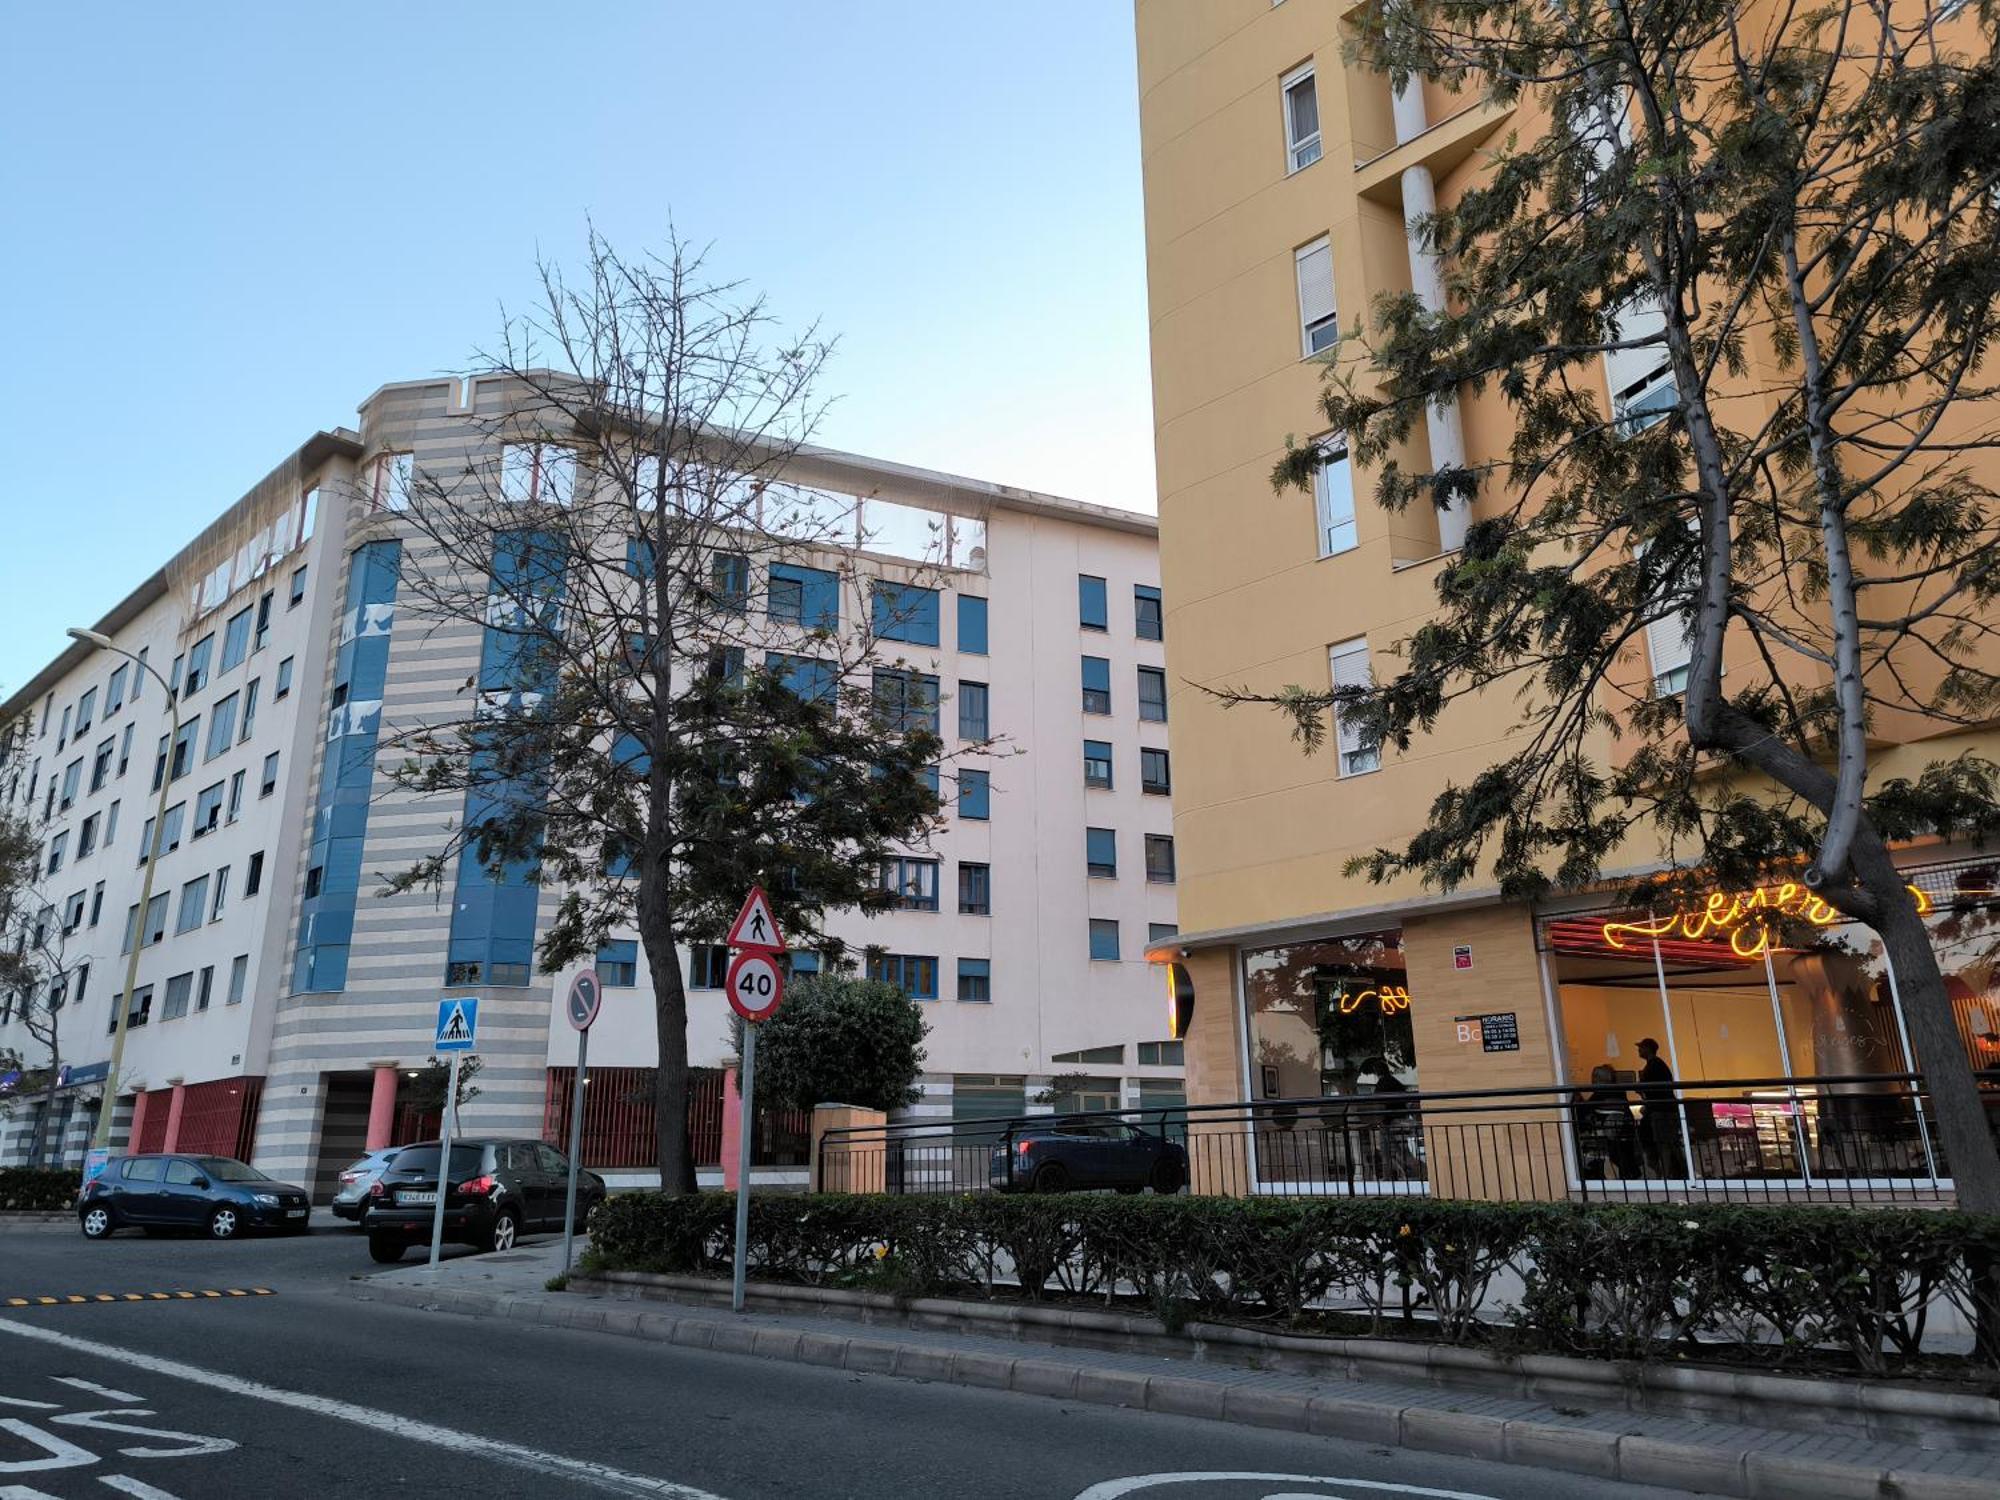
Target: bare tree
x,y
685,689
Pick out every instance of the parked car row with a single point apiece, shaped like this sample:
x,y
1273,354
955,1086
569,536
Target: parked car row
x,y
495,1191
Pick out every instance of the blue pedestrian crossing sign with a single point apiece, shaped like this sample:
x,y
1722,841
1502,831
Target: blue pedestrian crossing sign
x,y
458,1023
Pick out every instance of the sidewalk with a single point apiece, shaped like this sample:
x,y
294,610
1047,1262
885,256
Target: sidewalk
x,y
1718,1458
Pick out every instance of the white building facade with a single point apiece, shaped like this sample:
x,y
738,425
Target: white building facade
x,y
283,1005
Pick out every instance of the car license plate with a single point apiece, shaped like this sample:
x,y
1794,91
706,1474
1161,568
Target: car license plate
x,y
410,1197
295,1213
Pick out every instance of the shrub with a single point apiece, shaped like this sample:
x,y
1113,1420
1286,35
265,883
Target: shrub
x,y
38,1188
1634,1282
840,1040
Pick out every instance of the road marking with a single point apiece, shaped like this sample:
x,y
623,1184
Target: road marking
x,y
138,1488
1113,1489
382,1423
62,1453
94,1388
71,1299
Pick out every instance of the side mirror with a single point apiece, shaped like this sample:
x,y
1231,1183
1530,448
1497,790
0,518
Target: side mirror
x,y
201,1182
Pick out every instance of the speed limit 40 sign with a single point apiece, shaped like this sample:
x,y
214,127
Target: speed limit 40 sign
x,y
755,984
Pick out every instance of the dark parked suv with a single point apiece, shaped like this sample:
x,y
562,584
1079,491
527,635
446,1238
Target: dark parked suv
x,y
495,1191
1056,1155
218,1195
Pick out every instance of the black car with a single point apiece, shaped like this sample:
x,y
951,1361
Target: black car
x,y
1056,1155
495,1191
217,1195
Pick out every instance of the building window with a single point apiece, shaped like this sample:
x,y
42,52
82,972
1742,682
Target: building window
x,y
1153,695
1349,662
915,974
975,795
72,783
708,966
618,963
1159,932
1149,622
1162,1054
639,557
1093,612
86,836
221,895
1333,498
1160,858
1155,775
1096,685
170,828
1097,764
263,636
270,782
973,718
197,666
298,593
114,692
284,684
236,638
156,920
96,902
1670,638
903,612
239,971
1100,853
124,749
194,905
1641,379
179,987
249,709
208,811
205,990
184,742
975,980
913,882
1319,326
906,701
86,710
975,889
1301,118
253,874
972,624
1104,939
221,727
72,916
537,474
803,596
729,582
56,846
111,822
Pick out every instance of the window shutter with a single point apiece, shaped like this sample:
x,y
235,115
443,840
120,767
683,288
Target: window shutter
x,y
1627,369
1350,669
1669,646
1315,268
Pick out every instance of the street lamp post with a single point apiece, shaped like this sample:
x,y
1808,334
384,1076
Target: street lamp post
x,y
101,1136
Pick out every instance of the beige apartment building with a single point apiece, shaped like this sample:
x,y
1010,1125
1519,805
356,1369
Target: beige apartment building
x,y
1278,182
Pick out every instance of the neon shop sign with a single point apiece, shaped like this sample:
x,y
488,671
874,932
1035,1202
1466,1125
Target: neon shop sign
x,y
1387,998
1744,918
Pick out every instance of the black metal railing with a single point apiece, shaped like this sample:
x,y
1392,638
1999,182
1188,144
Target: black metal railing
x,y
1859,1139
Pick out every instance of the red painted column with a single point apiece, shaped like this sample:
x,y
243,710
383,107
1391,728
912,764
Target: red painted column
x,y
137,1130
174,1117
732,1126
382,1108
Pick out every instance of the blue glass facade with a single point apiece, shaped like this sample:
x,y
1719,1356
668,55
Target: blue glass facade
x,y
340,816
493,909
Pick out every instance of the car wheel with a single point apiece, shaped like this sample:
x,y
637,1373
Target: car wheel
x,y
505,1227
1052,1177
385,1248
224,1223
97,1223
1166,1177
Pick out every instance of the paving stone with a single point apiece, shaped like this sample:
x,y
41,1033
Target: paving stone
x,y
1678,1465
1575,1450
1469,1434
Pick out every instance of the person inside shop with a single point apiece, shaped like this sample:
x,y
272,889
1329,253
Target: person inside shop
x,y
1607,1138
1659,1112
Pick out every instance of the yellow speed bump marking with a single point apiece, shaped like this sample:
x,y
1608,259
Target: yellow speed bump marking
x,y
72,1299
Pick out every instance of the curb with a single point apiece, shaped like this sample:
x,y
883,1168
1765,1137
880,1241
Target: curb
x,y
1751,1473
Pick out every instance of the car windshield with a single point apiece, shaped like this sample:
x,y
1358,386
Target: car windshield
x,y
465,1160
227,1169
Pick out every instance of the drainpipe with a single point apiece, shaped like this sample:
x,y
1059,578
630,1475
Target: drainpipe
x,y
1441,423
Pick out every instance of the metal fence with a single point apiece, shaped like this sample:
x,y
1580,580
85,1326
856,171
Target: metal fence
x,y
1856,1139
618,1116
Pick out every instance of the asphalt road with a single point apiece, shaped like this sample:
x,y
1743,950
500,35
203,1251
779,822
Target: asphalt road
x,y
307,1392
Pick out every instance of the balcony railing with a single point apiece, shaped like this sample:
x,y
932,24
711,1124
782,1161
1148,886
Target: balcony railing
x,y
1854,1139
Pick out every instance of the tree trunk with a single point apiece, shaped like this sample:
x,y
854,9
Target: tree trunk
x,y
1957,1108
670,1078
38,1155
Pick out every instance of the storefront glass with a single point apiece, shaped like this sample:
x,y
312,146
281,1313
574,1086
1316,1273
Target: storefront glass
x,y
1330,1035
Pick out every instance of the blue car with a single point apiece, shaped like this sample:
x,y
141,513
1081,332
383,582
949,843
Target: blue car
x,y
214,1195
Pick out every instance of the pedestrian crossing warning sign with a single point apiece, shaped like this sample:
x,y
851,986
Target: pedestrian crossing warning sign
x,y
458,1023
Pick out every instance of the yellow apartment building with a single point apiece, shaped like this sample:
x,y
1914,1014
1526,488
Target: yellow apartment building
x,y
1278,180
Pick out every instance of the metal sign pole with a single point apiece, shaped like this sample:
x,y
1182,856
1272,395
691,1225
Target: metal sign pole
x,y
575,1145
746,1127
445,1123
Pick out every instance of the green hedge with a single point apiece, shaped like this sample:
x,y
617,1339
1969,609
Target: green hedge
x,y
38,1187
1818,1285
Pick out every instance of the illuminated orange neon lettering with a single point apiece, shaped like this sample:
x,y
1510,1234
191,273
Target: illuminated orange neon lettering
x,y
1739,916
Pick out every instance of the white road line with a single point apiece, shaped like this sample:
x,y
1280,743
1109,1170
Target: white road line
x,y
1113,1489
97,1390
30,1405
125,1484
382,1423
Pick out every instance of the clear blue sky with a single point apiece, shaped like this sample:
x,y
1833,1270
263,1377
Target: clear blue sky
x,y
227,223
